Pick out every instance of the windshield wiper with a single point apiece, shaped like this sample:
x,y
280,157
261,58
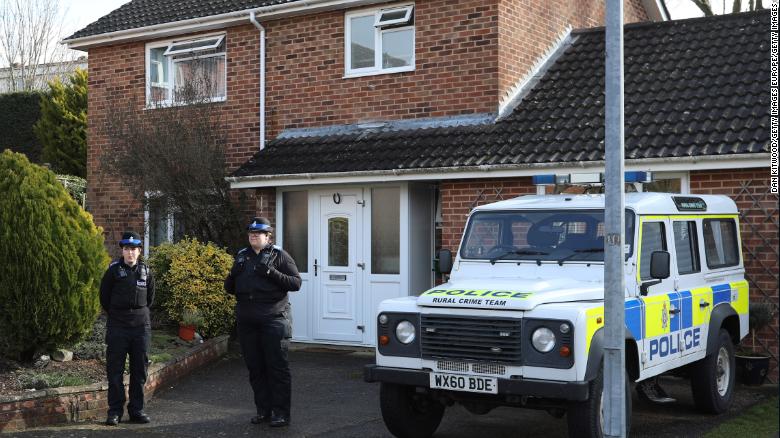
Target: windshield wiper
x,y
579,251
517,252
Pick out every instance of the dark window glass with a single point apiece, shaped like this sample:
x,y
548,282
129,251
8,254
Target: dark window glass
x,y
720,243
653,239
685,247
385,230
338,241
540,235
295,229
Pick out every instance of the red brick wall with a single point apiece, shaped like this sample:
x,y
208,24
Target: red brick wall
x,y
459,197
759,232
527,30
455,58
117,78
457,72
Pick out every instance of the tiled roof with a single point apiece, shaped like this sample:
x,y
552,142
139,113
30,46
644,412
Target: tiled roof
x,y
693,88
142,13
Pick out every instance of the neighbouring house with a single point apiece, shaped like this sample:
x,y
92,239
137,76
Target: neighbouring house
x,y
11,77
368,130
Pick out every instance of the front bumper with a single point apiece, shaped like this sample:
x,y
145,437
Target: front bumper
x,y
573,391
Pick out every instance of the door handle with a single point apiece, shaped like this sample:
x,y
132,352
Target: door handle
x,y
361,266
703,303
674,311
315,267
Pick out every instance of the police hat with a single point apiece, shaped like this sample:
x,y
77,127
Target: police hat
x,y
260,224
131,239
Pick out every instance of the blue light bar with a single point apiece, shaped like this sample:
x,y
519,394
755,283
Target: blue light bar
x,y
588,178
639,177
543,180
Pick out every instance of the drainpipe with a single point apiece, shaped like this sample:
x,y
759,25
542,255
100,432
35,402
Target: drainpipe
x,y
260,27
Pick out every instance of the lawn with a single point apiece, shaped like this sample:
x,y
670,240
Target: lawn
x,y
759,421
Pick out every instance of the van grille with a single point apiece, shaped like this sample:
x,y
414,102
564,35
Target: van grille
x,y
469,338
477,368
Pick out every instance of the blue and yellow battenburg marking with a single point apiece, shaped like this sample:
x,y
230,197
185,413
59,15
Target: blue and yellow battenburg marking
x,y
659,317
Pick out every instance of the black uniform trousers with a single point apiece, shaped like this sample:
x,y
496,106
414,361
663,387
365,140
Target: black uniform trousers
x,y
121,342
264,344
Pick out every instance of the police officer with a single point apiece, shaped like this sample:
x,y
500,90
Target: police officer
x,y
126,292
260,279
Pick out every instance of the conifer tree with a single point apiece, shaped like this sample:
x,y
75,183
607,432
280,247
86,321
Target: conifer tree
x,y
62,128
51,261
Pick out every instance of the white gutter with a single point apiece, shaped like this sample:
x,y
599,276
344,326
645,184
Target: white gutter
x,y
253,20
219,21
675,164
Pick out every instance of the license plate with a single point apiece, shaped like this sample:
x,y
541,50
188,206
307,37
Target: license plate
x,y
456,382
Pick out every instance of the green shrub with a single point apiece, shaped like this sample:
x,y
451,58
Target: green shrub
x,y
51,261
18,114
190,275
62,127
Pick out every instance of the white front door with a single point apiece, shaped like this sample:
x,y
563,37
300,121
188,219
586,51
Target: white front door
x,y
337,275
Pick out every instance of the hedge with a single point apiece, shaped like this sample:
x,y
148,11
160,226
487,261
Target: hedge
x,y
18,114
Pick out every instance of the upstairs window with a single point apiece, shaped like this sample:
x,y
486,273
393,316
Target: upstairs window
x,y
186,71
379,41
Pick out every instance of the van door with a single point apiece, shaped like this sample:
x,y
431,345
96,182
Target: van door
x,y
695,296
662,302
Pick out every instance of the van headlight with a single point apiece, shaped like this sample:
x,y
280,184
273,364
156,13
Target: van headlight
x,y
405,332
543,340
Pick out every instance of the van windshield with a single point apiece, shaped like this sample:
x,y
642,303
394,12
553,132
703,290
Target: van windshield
x,y
549,235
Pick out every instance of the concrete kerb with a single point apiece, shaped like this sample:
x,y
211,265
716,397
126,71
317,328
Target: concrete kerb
x,y
86,402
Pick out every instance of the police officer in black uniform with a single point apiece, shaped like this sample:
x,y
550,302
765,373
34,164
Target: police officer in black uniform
x,y
260,279
126,292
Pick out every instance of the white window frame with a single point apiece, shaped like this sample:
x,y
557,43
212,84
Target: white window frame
x,y
170,85
172,51
403,20
379,30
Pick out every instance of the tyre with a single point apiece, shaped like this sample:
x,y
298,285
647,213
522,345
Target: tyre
x,y
586,419
408,414
712,378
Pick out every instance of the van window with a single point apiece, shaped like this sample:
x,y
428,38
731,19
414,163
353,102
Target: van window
x,y
720,243
540,235
685,247
653,239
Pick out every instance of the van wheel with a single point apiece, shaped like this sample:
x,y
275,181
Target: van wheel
x,y
712,379
586,419
408,414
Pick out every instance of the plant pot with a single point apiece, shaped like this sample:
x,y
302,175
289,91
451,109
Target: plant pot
x,y
752,370
187,332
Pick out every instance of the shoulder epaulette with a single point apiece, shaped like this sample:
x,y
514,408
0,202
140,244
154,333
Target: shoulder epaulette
x,y
277,247
241,251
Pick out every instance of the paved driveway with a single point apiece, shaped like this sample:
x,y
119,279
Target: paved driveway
x,y
330,399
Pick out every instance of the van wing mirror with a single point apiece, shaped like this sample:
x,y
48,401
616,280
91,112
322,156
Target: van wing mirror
x,y
445,261
659,265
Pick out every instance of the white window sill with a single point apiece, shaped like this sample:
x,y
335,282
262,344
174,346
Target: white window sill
x,y
170,104
360,74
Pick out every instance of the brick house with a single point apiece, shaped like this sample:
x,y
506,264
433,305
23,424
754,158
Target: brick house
x,y
367,130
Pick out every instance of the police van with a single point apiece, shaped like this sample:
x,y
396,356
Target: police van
x,y
520,321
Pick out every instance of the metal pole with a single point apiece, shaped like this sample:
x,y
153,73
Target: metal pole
x,y
614,281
